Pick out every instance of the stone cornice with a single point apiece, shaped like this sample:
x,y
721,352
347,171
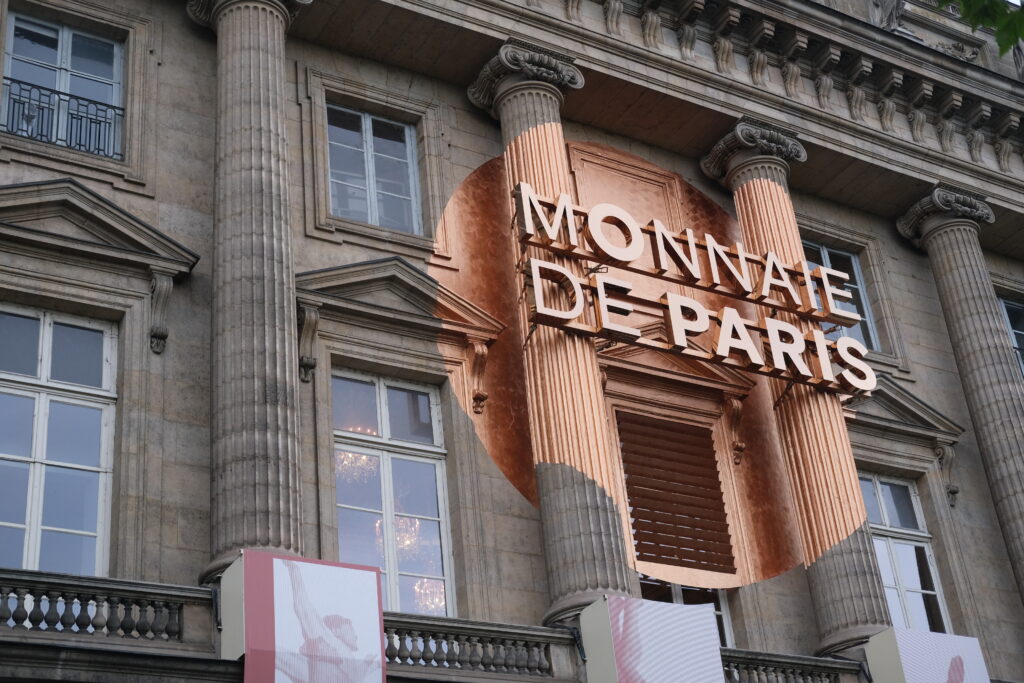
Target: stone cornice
x,y
751,134
531,62
202,11
944,200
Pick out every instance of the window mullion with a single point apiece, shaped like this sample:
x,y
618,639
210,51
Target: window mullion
x,y
371,180
37,481
390,552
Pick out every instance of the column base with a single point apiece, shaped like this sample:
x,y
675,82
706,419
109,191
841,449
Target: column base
x,y
568,609
211,573
848,642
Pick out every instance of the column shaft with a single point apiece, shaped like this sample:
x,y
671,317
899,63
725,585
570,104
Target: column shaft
x,y
578,470
255,459
989,369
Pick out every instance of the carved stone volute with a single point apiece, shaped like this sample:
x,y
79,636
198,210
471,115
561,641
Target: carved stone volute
x,y
756,136
527,62
944,201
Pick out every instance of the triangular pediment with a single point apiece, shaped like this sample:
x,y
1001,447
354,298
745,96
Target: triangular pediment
x,y
683,368
64,215
393,288
892,408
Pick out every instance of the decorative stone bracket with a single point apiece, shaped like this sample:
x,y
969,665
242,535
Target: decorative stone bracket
x,y
944,199
309,319
160,287
479,365
751,134
946,454
528,61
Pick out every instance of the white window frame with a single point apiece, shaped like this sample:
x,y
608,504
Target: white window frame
x,y
891,535
373,211
44,390
64,73
388,449
868,321
1007,304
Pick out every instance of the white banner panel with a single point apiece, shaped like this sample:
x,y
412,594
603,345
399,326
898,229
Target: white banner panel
x,y
899,655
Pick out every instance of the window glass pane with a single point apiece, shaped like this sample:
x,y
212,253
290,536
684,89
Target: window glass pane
x,y
90,89
12,547
892,599
884,562
67,553
812,254
395,212
360,537
16,425
70,498
418,545
19,344
73,434
415,486
92,56
409,413
923,612
418,595
655,589
392,176
906,564
357,479
1016,316
35,75
35,41
13,491
344,127
844,264
354,404
348,165
931,606
924,569
867,489
349,202
77,355
385,598
899,506
389,138
699,596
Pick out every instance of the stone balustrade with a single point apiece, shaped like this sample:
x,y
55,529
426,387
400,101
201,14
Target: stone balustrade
x,y
42,605
742,666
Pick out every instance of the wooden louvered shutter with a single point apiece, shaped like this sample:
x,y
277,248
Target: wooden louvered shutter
x,y
675,494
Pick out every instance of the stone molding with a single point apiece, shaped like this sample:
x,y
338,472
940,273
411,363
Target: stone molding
x,y
202,11
750,134
527,61
952,202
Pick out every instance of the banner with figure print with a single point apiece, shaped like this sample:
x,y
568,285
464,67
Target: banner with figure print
x,y
302,621
627,640
898,655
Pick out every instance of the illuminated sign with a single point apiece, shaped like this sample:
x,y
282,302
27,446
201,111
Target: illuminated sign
x,y
786,341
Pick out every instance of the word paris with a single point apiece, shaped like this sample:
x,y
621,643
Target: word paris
x,y
791,345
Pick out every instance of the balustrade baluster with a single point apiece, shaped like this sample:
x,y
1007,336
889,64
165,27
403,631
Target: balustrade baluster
x,y
417,652
143,622
531,657
99,620
451,657
52,617
522,657
20,615
464,652
159,619
488,654
35,616
403,646
390,649
476,657
428,649
114,618
510,655
128,620
5,606
543,663
439,652
67,615
173,628
83,619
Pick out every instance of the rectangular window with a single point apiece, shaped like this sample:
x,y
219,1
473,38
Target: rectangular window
x,y
56,415
676,504
390,488
845,262
373,170
62,86
660,591
1015,322
903,548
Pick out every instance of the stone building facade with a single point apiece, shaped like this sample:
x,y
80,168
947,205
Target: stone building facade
x,y
257,259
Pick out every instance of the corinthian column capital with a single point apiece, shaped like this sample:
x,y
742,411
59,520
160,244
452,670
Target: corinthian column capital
x,y
944,205
203,11
521,61
753,139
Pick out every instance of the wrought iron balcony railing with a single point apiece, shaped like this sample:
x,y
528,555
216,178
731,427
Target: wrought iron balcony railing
x,y
38,113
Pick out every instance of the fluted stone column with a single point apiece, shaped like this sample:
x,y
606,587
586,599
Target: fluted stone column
x,y
255,432
578,471
752,161
946,224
